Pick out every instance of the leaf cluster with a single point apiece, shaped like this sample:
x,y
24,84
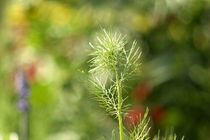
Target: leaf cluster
x,y
111,59
169,135
141,131
110,54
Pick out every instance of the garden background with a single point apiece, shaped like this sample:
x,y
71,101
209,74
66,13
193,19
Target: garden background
x,y
48,41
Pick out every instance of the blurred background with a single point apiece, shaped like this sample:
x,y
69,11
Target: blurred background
x,y
48,42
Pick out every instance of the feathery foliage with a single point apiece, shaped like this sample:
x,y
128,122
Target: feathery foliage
x,y
169,135
112,64
141,131
111,55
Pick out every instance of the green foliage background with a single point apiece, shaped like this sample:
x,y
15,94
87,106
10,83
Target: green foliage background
x,y
51,38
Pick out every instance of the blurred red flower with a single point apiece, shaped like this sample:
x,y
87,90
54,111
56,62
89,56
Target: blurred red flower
x,y
142,91
158,114
30,71
132,117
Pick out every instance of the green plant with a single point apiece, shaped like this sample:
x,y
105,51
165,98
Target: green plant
x,y
169,135
113,65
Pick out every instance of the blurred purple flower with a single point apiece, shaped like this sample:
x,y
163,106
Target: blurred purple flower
x,y
23,91
21,84
23,105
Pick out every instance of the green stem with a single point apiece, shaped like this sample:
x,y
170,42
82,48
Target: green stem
x,y
119,107
24,128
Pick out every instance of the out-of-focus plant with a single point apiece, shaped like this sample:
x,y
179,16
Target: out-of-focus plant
x,y
169,135
112,66
23,91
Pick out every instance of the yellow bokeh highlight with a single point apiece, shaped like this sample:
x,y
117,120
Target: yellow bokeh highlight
x,y
58,14
177,31
15,15
143,23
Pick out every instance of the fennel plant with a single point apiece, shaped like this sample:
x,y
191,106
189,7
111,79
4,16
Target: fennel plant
x,y
112,65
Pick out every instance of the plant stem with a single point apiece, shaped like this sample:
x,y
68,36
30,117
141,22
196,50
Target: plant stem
x,y
24,126
118,85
